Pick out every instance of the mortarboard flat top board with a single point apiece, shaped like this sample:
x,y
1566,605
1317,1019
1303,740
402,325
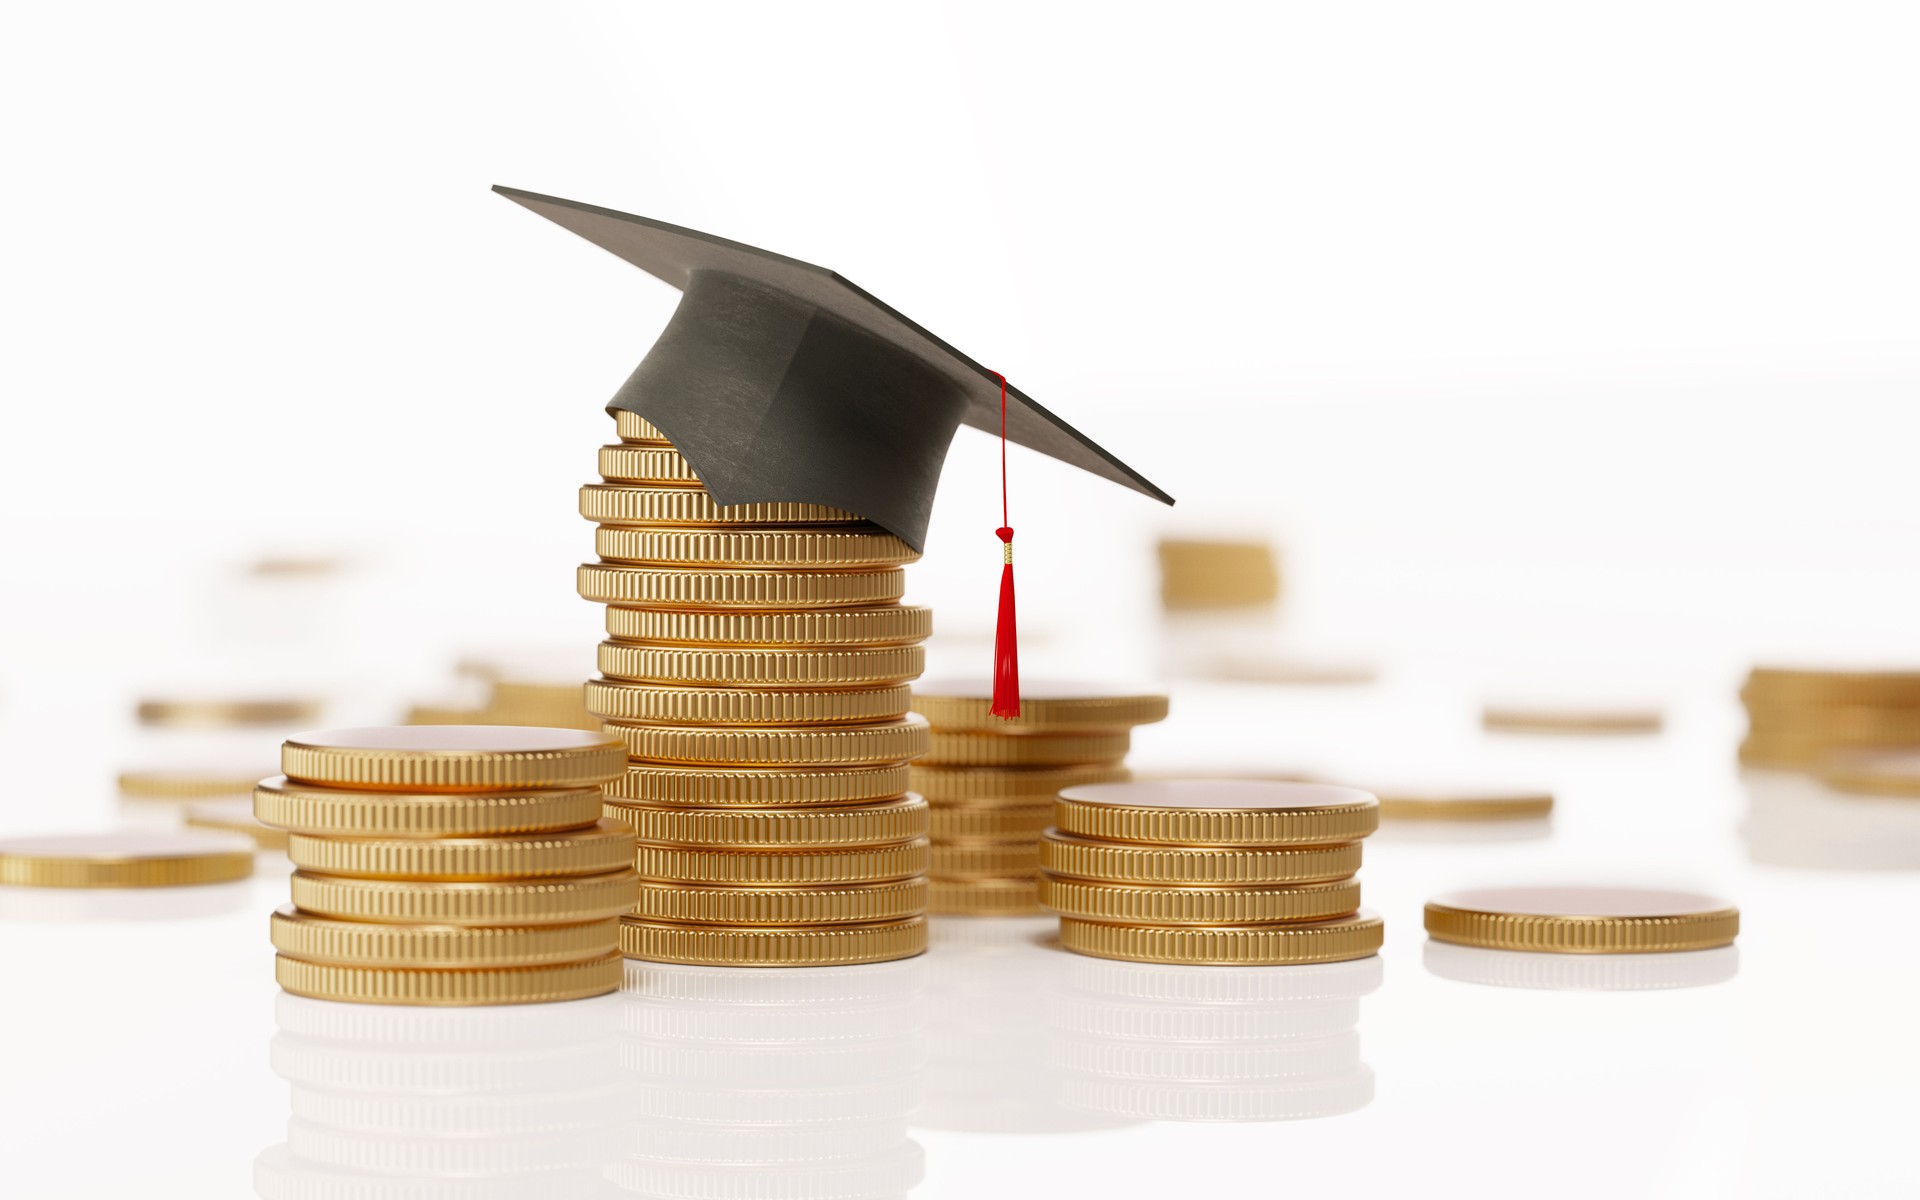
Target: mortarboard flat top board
x,y
781,381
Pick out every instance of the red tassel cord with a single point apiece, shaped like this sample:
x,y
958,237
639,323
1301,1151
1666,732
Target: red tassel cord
x,y
1006,642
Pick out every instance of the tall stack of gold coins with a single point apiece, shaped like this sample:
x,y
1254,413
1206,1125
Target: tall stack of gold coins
x,y
1210,871
756,670
451,865
991,781
1798,718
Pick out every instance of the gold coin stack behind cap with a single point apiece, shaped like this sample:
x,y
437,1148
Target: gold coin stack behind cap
x,y
991,781
756,670
1228,872
449,865
1799,718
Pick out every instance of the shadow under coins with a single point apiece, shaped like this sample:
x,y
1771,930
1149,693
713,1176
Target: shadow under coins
x,y
1031,1039
770,1082
1582,972
1796,821
497,1103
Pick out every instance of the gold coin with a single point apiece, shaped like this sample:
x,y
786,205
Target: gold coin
x,y
452,758
334,812
1836,722
552,705
186,784
618,700
235,815
317,939
772,946
1116,862
787,867
401,985
1020,856
1582,920
947,822
1881,774
1794,685
804,548
737,828
858,666
758,787
1217,574
983,897
1027,749
226,714
773,745
561,901
879,625
669,587
1468,804
439,714
1241,945
1218,812
824,905
595,850
629,504
1016,785
124,860
1526,719
655,466
960,705
1134,904
635,429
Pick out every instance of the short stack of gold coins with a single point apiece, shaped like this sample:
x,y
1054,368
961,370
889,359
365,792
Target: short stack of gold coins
x,y
1210,871
756,670
1799,718
449,865
991,780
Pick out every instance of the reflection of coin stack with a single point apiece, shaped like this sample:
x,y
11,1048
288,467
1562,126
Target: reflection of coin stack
x,y
449,865
756,670
1210,871
987,1058
794,1084
991,781
1797,718
1165,1043
410,1102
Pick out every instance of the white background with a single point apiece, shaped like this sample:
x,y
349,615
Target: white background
x,y
1559,345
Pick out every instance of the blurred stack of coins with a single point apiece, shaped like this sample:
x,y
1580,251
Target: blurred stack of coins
x,y
192,749
756,670
1797,718
766,1083
1210,872
991,781
449,865
1217,576
421,1102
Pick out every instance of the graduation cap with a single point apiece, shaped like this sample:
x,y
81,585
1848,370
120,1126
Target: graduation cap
x,y
781,381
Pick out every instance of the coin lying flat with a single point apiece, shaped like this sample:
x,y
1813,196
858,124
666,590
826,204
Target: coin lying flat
x,y
318,939
566,900
1314,942
635,429
606,845
176,783
632,504
772,946
1117,862
1544,718
1582,920
341,812
1027,749
741,828
763,905
1202,812
619,700
758,787
223,714
125,860
464,758
803,548
1136,904
864,666
956,705
680,587
1462,804
398,985
771,745
983,897
1019,786
871,625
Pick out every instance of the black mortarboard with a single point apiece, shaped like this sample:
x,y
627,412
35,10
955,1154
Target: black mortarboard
x,y
779,380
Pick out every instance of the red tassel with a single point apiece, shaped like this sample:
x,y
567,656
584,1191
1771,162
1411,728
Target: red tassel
x,y
1006,642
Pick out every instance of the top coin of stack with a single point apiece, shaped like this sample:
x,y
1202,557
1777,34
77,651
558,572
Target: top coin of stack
x,y
991,781
1797,718
449,865
1210,871
756,670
